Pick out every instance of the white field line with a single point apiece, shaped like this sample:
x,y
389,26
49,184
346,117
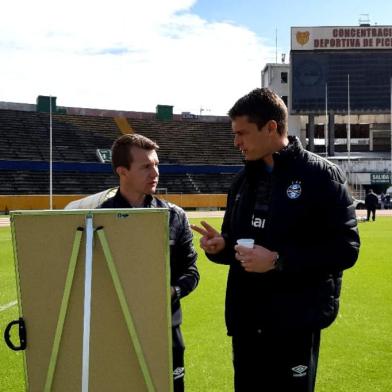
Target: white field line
x,y
4,222
7,306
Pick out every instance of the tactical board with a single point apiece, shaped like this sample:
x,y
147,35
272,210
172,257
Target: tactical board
x,y
124,342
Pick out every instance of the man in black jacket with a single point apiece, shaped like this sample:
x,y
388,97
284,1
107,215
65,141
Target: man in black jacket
x,y
135,160
371,203
285,289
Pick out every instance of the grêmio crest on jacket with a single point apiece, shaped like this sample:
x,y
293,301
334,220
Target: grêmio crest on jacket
x,y
294,190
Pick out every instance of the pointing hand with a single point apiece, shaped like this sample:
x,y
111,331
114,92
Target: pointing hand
x,y
211,241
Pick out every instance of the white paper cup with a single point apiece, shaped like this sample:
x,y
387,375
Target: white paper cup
x,y
246,242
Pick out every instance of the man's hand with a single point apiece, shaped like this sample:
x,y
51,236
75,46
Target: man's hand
x,y
211,241
258,259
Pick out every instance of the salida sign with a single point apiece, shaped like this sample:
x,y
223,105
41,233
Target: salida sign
x,y
380,178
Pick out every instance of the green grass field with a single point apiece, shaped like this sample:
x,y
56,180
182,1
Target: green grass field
x,y
356,351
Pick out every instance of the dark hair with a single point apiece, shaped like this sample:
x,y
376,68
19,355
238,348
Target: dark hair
x,y
261,105
121,148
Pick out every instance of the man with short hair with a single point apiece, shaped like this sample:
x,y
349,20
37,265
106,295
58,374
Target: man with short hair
x,y
135,161
284,290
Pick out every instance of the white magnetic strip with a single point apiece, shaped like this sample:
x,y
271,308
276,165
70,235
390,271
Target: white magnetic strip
x,y
87,303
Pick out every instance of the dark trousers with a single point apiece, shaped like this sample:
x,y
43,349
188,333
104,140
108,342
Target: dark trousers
x,y
276,362
178,360
373,212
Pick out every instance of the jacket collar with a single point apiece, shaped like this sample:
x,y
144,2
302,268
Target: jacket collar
x,y
293,150
253,169
121,202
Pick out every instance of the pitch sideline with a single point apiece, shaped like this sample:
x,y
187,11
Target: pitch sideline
x,y
7,306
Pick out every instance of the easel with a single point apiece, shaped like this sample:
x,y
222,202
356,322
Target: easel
x,y
92,233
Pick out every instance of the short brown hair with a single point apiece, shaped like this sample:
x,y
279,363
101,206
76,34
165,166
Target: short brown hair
x,y
121,149
262,105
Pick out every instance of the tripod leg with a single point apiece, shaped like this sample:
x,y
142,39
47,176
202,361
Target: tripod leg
x,y
63,309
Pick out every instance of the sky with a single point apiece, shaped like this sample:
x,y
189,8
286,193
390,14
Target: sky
x,y
198,56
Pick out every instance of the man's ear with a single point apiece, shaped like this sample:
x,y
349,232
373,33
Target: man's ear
x,y
272,126
121,170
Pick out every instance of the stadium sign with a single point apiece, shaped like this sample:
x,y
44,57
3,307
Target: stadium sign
x,y
341,37
380,178
327,62
104,155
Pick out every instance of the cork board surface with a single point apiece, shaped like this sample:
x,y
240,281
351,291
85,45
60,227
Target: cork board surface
x,y
138,241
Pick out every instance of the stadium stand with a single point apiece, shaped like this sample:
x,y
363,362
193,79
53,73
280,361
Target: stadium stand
x,y
31,182
190,142
196,157
25,136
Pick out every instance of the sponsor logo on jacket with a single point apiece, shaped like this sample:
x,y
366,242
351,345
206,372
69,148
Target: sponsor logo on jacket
x,y
258,222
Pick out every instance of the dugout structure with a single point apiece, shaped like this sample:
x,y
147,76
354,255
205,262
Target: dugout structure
x,y
94,297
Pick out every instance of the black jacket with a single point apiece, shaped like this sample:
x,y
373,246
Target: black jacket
x,y
184,273
371,200
302,210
